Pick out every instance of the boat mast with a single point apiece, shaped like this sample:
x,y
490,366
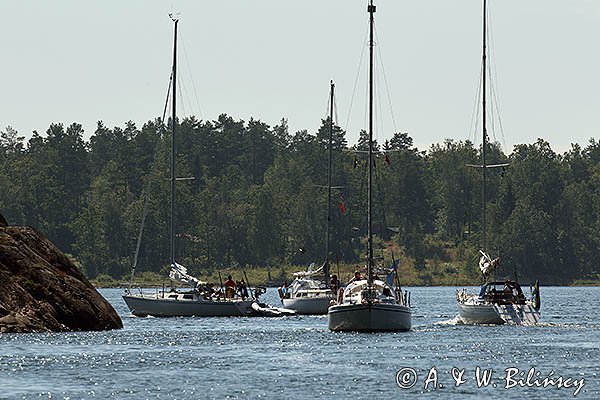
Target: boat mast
x,y
484,141
329,184
371,9
173,125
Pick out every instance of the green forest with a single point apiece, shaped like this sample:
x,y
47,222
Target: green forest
x,y
257,199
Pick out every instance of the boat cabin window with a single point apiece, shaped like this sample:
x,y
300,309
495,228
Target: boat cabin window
x,y
188,296
173,296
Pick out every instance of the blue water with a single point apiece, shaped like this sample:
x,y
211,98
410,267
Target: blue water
x,y
298,358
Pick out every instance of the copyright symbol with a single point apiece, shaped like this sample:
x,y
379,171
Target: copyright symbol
x,y
406,378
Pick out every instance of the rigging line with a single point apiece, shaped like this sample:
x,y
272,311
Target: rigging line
x,y
468,208
335,110
476,128
381,207
139,241
495,114
181,93
492,119
326,113
362,53
185,93
362,181
146,192
168,97
496,105
379,132
366,114
491,65
494,79
385,81
474,124
191,75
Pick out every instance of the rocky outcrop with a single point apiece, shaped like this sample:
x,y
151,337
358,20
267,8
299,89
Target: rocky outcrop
x,y
42,290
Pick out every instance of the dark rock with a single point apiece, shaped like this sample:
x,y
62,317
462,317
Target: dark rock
x,y
42,290
3,221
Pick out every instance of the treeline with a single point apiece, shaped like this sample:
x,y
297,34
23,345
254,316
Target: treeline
x,y
258,198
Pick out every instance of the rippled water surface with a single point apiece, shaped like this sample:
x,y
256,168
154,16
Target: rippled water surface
x,y
298,358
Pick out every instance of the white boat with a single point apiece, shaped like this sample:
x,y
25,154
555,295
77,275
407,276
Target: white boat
x,y
307,294
185,304
499,303
201,299
370,304
496,302
370,307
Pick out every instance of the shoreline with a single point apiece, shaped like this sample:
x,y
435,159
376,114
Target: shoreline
x,y
121,285
436,273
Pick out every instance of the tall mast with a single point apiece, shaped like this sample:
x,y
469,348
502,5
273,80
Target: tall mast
x,y
484,141
329,184
371,9
173,125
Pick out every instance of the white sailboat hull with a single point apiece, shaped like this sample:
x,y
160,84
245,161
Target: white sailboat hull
x,y
493,314
369,317
308,305
143,306
484,314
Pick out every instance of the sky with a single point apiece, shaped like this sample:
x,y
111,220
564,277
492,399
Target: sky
x,y
84,61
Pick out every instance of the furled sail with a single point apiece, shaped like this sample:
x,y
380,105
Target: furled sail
x,y
486,264
309,272
179,273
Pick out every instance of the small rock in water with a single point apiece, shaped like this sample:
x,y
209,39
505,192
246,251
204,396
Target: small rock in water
x,y
41,290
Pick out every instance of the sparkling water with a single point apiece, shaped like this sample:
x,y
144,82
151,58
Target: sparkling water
x,y
299,358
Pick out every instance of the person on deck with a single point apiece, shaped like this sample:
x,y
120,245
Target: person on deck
x,y
357,276
229,287
242,289
334,283
284,291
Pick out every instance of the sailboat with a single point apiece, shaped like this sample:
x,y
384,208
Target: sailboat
x,y
370,304
307,294
201,299
497,302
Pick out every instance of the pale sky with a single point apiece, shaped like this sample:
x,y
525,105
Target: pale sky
x,y
84,61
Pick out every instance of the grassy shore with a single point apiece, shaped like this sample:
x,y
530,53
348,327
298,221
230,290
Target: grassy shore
x,y
594,281
445,269
434,273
